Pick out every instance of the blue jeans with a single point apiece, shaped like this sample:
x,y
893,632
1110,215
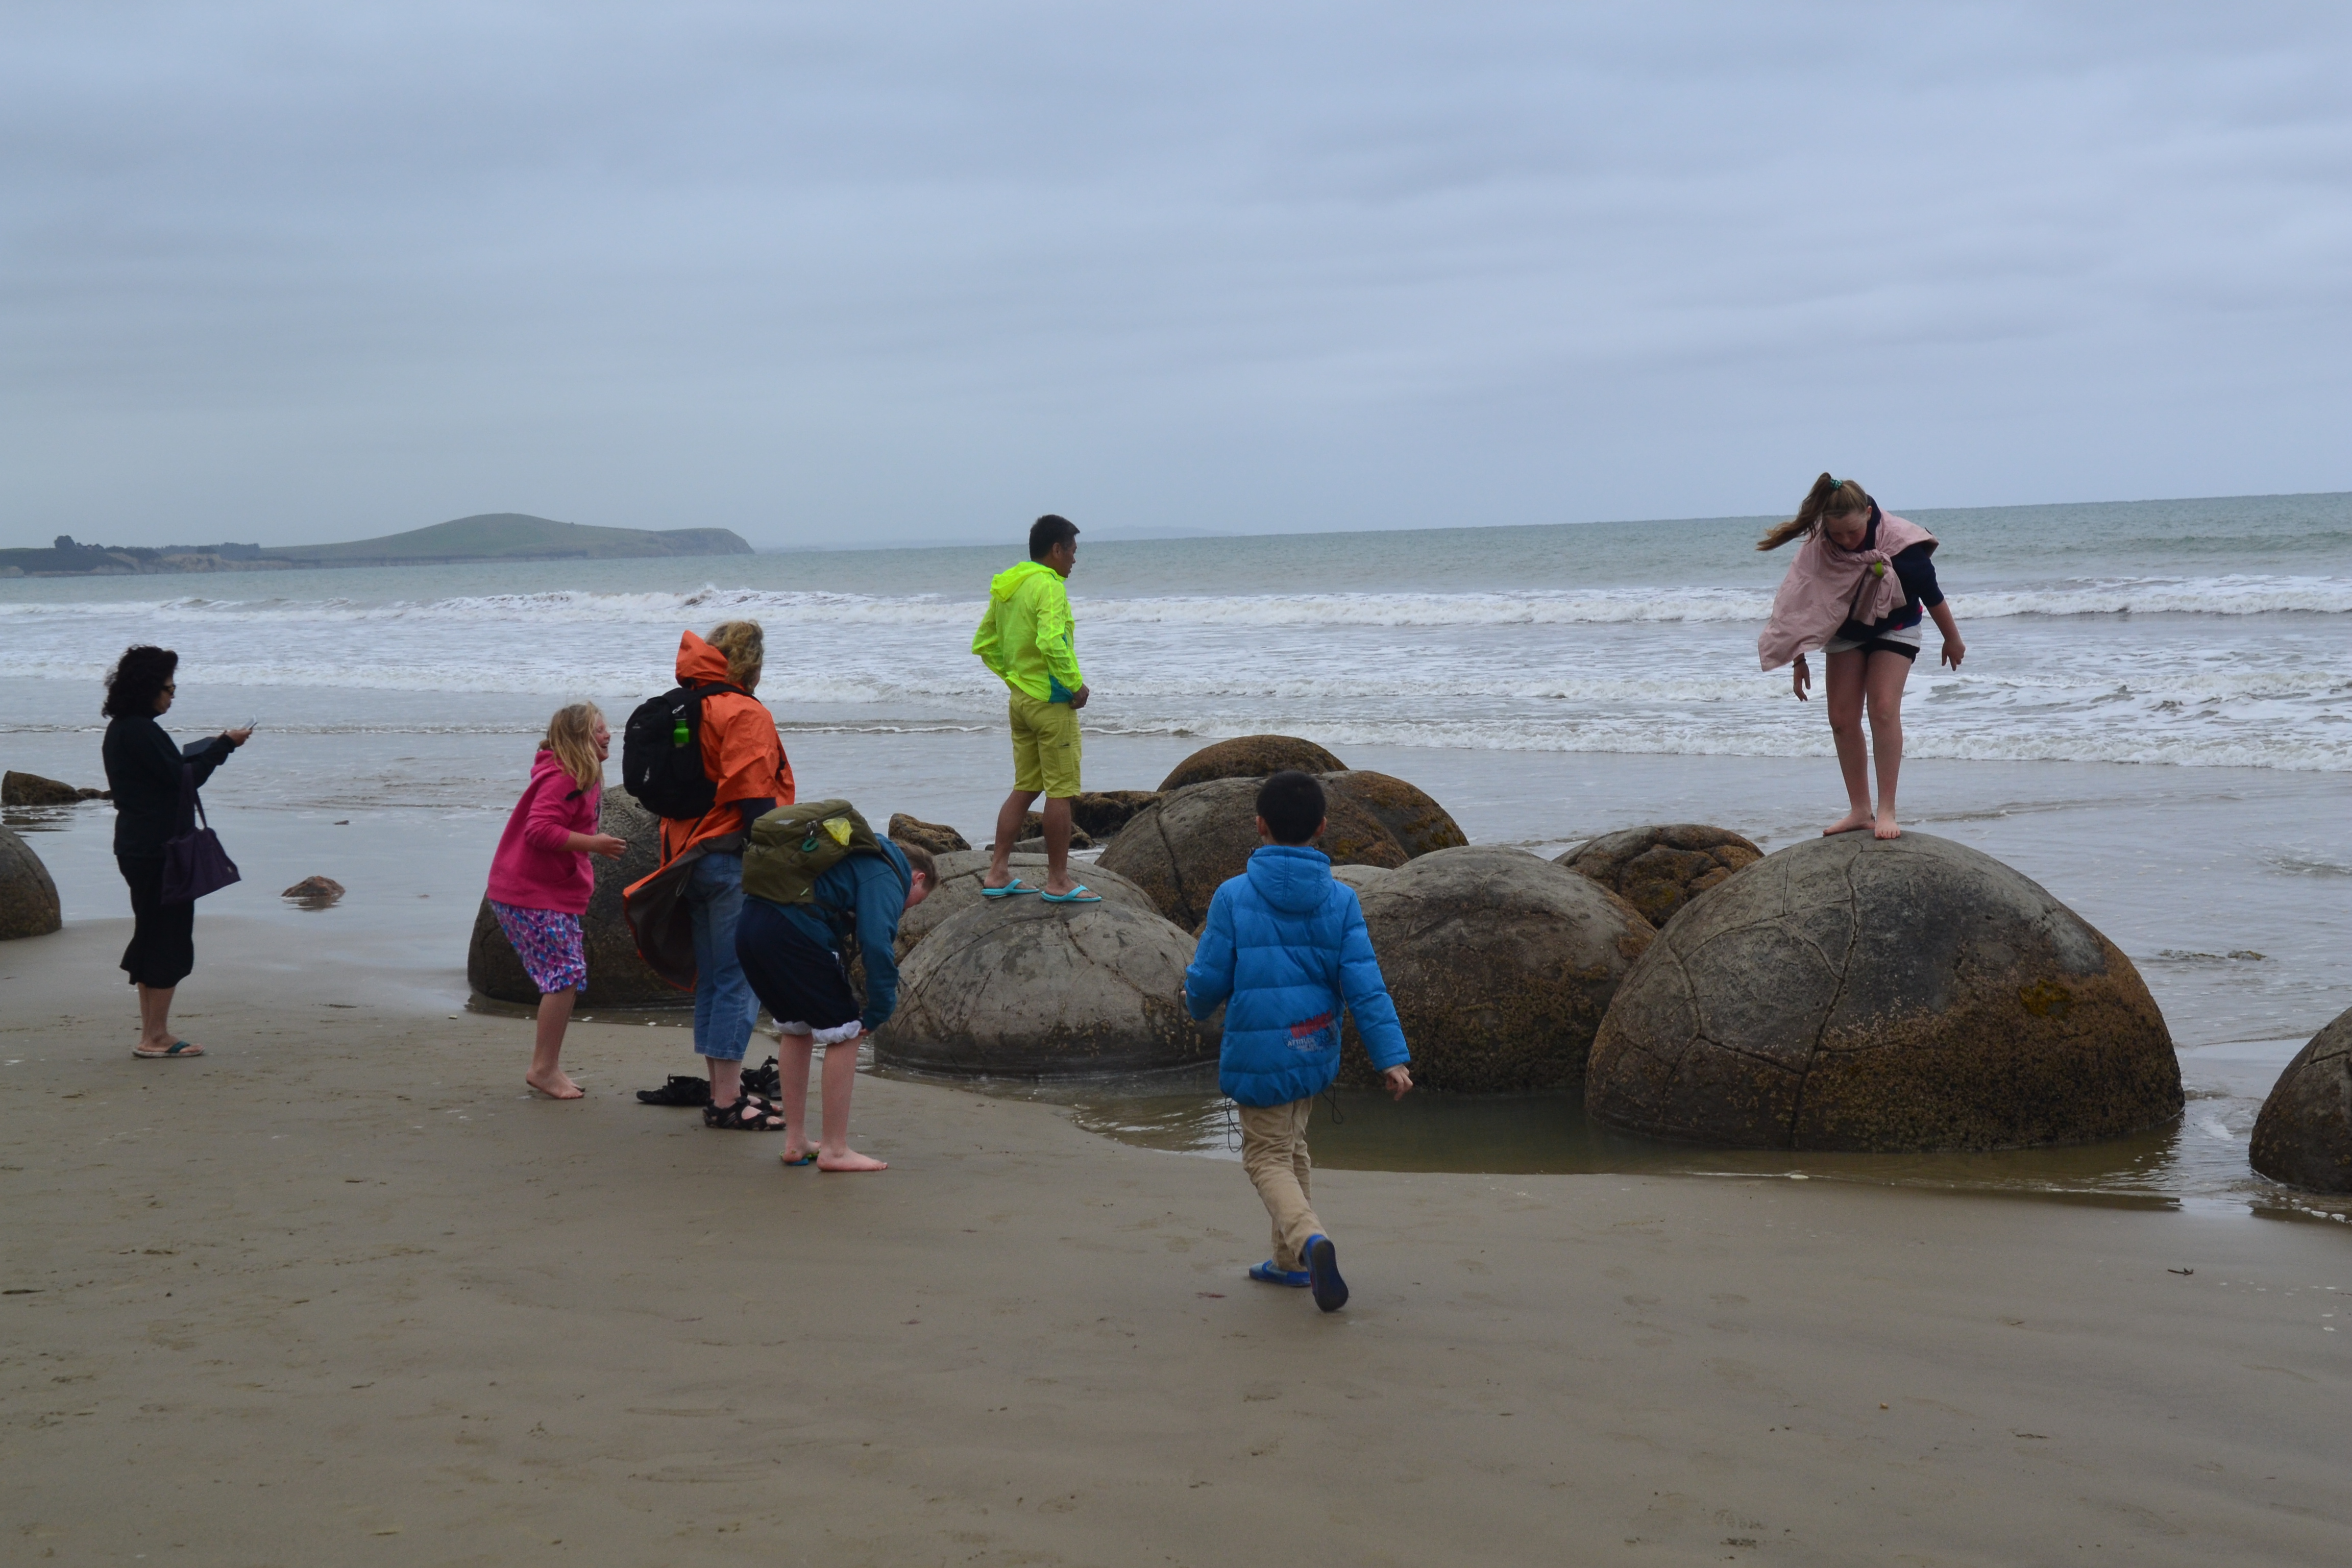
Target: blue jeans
x,y
724,1006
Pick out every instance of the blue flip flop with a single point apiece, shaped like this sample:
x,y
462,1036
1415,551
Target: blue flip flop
x,y
177,1048
1006,892
803,1160
1266,1273
1323,1274
1081,894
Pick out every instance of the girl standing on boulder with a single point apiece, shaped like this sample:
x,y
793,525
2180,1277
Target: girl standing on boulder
x,y
1856,591
540,879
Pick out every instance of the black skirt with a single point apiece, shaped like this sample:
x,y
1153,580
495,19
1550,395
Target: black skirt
x,y
162,936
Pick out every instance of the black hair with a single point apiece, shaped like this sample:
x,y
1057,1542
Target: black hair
x,y
137,679
1048,531
1292,803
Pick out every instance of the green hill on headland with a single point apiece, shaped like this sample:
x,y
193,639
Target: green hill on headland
x,y
489,536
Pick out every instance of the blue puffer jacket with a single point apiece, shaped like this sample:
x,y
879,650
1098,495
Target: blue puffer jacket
x,y
1284,947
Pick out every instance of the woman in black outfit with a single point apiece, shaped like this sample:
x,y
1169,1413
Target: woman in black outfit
x,y
142,769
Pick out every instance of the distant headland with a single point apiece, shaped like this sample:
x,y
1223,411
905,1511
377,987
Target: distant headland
x,y
491,536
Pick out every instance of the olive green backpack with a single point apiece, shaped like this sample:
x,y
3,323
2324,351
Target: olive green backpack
x,y
792,845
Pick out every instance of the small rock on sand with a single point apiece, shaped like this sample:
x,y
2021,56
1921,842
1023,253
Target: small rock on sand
x,y
314,892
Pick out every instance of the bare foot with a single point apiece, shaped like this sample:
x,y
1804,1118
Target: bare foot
x,y
1858,817
554,1084
849,1160
796,1151
1884,828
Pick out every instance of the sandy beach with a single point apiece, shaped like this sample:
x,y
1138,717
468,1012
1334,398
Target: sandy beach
x,y
340,1292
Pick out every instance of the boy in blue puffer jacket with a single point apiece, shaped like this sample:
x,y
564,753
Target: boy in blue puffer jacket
x,y
1286,947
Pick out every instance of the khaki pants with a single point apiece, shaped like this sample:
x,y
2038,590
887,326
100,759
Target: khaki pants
x,y
1274,1153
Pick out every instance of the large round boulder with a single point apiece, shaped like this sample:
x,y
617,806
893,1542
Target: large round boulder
x,y
959,889
1252,757
1900,994
1183,849
2303,1136
1022,988
29,899
618,977
1661,868
1501,965
1420,824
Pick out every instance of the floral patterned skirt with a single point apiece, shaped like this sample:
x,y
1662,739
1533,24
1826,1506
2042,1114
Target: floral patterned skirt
x,y
549,943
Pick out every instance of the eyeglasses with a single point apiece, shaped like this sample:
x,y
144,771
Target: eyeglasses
x,y
169,686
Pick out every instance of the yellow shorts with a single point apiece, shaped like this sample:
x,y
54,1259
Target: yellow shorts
x,y
1045,746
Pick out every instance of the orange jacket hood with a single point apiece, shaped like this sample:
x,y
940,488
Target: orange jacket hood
x,y
698,663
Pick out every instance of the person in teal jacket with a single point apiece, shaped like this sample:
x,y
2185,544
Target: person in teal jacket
x,y
1285,949
1027,640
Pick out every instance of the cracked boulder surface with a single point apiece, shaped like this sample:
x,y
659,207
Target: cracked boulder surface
x,y
1420,824
29,899
1181,849
1661,868
1902,996
1502,965
1252,757
2303,1136
617,976
959,889
1022,988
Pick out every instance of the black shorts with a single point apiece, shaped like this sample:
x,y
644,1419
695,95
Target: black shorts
x,y
797,981
1908,651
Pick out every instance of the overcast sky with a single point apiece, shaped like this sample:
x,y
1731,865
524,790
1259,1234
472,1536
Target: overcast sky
x,y
880,272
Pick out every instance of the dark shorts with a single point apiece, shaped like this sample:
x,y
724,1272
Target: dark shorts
x,y
1908,650
797,981
162,936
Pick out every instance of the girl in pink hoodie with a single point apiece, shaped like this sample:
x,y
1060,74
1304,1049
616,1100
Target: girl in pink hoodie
x,y
540,880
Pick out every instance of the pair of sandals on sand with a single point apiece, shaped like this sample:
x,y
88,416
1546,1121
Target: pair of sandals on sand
x,y
1081,894
755,1112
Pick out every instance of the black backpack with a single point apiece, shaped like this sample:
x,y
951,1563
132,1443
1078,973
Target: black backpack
x,y
661,753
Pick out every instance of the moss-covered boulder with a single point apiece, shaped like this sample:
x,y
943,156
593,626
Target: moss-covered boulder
x,y
1252,757
1501,965
32,789
1183,849
29,899
936,836
2303,1136
618,977
1661,868
1420,824
1899,995
959,890
1022,988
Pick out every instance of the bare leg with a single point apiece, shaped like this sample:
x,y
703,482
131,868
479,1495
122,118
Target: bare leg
x,y
155,1034
840,1077
1008,828
1841,689
795,1069
726,1081
1888,671
1057,846
545,1074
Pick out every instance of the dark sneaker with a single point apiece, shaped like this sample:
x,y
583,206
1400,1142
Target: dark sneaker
x,y
1323,1274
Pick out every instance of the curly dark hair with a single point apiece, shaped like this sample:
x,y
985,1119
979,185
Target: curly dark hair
x,y
137,678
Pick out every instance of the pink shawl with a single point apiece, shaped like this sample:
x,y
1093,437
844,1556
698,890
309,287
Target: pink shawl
x,y
1827,586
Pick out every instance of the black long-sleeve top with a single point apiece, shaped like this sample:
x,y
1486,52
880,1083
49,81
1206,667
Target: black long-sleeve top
x,y
142,769
1915,570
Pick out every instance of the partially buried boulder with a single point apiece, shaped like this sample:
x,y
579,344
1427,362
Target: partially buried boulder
x,y
1181,849
1100,814
2303,1136
1022,988
1501,965
1659,869
32,789
618,977
29,899
959,889
936,836
1420,824
1252,757
1899,995
314,892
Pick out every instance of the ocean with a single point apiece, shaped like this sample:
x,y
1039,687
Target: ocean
x,y
2153,719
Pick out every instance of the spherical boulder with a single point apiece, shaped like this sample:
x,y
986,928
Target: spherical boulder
x,y
2303,1136
1359,877
618,977
1022,988
1896,995
1659,869
1181,849
1252,757
959,890
29,899
1501,965
1420,824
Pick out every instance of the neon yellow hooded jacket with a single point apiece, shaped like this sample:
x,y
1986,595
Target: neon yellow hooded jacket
x,y
1026,637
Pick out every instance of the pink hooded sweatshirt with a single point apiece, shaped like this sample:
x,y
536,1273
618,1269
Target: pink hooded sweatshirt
x,y
1827,586
534,870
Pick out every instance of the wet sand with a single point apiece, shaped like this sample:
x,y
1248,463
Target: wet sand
x,y
339,1292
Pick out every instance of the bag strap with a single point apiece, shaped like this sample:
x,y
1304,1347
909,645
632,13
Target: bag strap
x,y
192,801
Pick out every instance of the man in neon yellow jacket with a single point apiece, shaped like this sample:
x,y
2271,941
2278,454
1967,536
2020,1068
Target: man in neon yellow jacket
x,y
1026,639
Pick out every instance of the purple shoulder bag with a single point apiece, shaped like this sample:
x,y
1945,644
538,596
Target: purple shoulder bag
x,y
195,863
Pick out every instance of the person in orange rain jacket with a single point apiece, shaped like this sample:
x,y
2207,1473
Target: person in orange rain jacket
x,y
744,755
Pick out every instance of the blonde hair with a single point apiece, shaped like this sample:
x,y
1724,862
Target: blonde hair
x,y
571,736
1828,498
745,646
